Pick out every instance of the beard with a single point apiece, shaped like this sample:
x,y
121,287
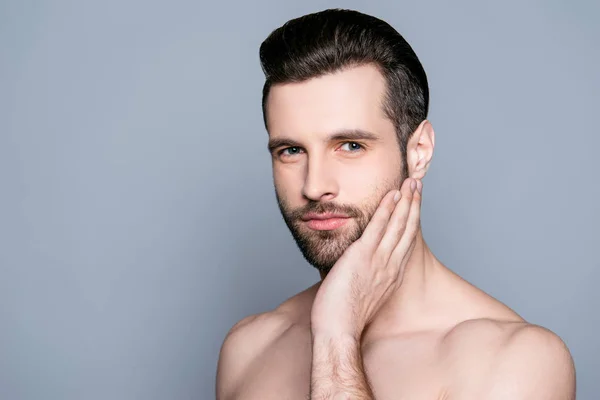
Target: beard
x,y
322,248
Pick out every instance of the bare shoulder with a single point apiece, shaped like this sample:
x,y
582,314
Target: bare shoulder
x,y
244,342
251,337
499,359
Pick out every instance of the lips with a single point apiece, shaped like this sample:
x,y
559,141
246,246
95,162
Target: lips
x,y
325,221
324,216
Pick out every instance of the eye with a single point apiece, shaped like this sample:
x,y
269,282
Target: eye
x,y
352,146
290,151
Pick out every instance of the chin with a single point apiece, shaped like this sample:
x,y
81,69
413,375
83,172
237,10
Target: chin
x,y
322,249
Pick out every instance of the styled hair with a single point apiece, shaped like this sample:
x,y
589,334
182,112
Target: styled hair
x,y
335,39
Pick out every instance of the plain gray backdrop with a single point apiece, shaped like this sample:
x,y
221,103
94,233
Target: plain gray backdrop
x,y
138,220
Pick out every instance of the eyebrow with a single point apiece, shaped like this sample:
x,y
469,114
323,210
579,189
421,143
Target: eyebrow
x,y
342,135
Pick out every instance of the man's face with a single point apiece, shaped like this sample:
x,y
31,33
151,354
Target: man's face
x,y
335,155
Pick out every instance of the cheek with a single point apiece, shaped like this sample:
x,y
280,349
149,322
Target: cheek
x,y
374,170
360,186
287,183
370,181
389,167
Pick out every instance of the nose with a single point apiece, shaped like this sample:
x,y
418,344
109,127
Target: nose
x,y
320,183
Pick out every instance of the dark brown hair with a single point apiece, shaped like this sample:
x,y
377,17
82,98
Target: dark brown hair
x,y
331,40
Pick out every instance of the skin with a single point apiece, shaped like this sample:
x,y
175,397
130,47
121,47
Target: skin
x,y
387,320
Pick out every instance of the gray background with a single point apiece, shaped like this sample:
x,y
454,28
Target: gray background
x,y
138,220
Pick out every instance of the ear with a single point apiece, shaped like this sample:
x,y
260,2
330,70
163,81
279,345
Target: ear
x,y
419,150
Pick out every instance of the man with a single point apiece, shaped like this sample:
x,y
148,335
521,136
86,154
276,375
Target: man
x,y
345,105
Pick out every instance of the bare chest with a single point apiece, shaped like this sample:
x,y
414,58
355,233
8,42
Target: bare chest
x,y
395,369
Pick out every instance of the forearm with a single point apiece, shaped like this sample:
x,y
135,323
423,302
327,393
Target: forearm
x,y
337,369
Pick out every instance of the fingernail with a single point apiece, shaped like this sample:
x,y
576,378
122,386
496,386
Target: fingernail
x,y
420,186
413,185
397,196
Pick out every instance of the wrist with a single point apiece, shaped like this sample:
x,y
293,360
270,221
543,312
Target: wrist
x,y
335,336
339,348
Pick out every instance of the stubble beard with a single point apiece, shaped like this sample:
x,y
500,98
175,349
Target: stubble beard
x,y
322,249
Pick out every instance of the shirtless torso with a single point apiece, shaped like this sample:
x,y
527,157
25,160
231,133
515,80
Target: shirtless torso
x,y
350,144
458,351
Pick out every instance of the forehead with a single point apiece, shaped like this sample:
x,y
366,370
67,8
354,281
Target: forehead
x,y
348,99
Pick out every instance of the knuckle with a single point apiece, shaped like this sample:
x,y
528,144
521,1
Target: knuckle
x,y
378,259
400,224
390,207
417,196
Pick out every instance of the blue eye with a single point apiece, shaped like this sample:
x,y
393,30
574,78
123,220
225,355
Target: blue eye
x,y
290,151
353,146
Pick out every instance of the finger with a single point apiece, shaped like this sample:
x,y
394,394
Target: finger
x,y
376,227
398,222
401,265
403,249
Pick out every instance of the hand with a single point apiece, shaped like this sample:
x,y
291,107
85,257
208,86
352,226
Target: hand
x,y
370,269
